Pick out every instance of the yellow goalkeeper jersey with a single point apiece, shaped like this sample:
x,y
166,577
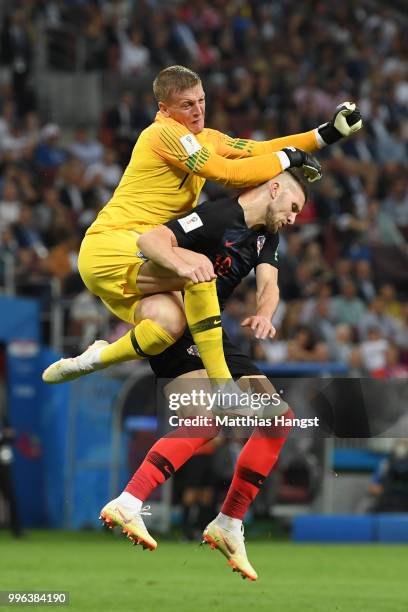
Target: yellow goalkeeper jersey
x,y
169,166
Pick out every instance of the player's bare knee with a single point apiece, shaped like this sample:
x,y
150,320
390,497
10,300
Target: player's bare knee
x,y
178,326
165,312
174,322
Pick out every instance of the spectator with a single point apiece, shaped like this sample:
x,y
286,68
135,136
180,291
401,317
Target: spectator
x,y
103,176
292,255
71,180
48,154
146,111
377,317
88,150
393,307
312,94
120,119
95,39
52,217
320,269
134,56
272,351
341,345
32,128
393,367
348,307
389,486
17,53
10,205
61,262
14,141
7,438
26,233
364,278
308,310
304,346
9,253
321,321
6,119
403,338
122,125
306,285
373,350
160,48
396,203
343,274
183,38
380,228
207,53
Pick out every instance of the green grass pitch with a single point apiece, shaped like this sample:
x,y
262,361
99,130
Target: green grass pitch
x,y
104,572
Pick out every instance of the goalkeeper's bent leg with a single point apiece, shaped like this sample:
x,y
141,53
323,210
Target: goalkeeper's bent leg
x,y
162,324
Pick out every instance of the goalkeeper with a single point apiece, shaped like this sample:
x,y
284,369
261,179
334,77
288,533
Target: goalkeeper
x,y
170,162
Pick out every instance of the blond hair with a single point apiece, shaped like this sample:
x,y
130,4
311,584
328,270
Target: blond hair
x,y
173,80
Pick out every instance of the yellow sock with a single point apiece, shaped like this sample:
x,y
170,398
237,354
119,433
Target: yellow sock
x,y
147,338
204,320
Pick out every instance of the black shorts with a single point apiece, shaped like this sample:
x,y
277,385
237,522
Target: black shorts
x,y
182,357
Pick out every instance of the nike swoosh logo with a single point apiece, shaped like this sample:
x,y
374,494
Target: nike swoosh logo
x,y
228,244
230,547
217,322
123,517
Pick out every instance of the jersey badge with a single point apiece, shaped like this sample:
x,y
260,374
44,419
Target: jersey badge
x,y
191,222
260,241
193,351
190,144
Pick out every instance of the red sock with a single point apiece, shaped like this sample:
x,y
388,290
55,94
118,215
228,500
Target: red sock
x,y
255,461
164,458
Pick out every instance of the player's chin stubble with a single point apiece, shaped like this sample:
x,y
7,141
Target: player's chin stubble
x,y
272,225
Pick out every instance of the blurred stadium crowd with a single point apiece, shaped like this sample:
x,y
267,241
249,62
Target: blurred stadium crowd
x,y
269,69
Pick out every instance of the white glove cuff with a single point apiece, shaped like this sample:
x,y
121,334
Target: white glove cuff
x,y
284,160
320,142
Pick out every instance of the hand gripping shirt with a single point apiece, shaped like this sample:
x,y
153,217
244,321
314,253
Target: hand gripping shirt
x,y
218,230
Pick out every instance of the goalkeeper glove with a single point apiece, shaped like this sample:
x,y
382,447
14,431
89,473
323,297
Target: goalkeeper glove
x,y
346,121
300,159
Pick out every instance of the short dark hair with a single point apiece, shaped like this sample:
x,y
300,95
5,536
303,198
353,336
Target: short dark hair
x,y
299,178
173,80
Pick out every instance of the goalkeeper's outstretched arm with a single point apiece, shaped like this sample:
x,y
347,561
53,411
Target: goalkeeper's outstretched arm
x,y
345,122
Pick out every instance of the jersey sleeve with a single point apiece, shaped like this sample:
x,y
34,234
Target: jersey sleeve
x,y
237,148
176,146
269,252
205,225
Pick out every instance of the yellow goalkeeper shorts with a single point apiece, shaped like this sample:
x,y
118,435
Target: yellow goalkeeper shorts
x,y
109,266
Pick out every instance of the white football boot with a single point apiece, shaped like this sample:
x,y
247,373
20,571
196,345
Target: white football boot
x,y
65,370
131,521
232,545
